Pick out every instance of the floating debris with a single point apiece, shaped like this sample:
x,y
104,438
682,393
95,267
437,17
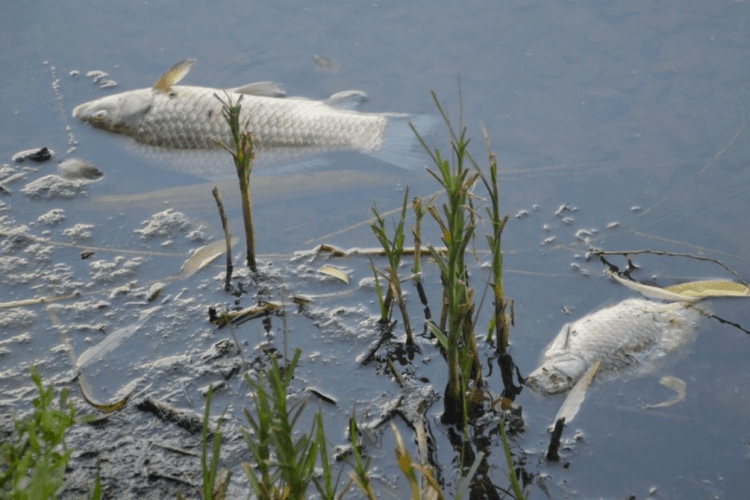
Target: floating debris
x,y
17,318
165,223
710,288
334,272
677,385
521,214
155,291
74,73
183,418
75,168
97,75
204,256
38,155
237,317
53,217
578,268
562,209
687,292
79,231
53,186
113,340
107,84
613,225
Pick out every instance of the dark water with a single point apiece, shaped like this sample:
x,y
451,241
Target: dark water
x,y
604,106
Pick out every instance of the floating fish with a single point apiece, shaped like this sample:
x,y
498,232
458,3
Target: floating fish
x,y
632,335
190,118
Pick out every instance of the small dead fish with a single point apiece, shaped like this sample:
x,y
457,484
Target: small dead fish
x,y
191,118
633,334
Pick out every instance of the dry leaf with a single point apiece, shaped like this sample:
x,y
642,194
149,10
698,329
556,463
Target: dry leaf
x,y
334,272
710,288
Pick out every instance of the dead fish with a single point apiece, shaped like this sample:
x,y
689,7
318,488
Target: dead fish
x,y
630,336
190,118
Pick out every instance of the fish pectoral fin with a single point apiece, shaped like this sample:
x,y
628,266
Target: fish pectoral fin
x,y
577,394
346,99
174,75
264,89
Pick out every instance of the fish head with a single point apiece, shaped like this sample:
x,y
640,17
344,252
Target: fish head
x,y
119,113
556,375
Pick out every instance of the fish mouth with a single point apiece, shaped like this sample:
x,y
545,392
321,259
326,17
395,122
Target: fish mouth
x,y
80,112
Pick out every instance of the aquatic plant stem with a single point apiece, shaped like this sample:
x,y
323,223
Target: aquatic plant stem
x,y
457,222
498,222
227,236
511,466
243,153
394,249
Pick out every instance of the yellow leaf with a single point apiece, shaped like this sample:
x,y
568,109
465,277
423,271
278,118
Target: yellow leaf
x,y
334,272
654,292
710,288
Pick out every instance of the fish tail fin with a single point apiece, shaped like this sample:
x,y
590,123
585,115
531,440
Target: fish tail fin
x,y
401,147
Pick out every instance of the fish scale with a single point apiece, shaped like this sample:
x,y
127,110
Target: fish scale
x,y
190,118
633,334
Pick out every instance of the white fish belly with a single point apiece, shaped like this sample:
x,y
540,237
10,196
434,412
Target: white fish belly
x,y
190,117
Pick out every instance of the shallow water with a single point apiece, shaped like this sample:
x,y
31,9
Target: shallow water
x,y
603,106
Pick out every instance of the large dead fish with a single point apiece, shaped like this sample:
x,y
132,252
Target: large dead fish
x,y
630,336
189,118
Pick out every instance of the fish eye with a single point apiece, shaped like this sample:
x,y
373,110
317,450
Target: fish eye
x,y
99,115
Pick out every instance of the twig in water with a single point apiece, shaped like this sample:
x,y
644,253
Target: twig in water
x,y
626,253
227,236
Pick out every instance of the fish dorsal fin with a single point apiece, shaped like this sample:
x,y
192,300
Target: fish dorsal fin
x,y
346,99
265,89
174,75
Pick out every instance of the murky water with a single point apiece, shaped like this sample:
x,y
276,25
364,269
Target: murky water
x,y
603,106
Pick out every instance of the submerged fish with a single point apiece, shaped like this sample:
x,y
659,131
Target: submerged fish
x,y
633,334
190,118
